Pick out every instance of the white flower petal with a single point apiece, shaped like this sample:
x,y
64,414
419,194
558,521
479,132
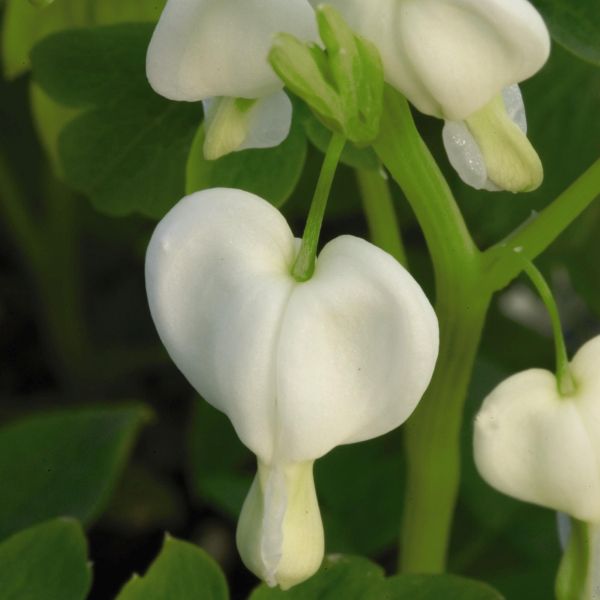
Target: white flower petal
x,y
515,107
270,122
465,155
205,48
357,350
450,57
537,446
217,278
232,125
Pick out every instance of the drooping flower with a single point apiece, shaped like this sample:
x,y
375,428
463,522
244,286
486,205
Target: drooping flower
x,y
452,59
299,368
536,445
216,51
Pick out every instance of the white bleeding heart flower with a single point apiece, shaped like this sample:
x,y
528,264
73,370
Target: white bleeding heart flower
x,y
299,368
217,50
536,445
452,59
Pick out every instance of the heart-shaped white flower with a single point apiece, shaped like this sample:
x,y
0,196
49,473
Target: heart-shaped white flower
x,y
299,368
538,446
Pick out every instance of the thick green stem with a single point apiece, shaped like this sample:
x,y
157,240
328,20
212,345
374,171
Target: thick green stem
x,y
465,281
564,379
305,261
432,433
408,159
378,206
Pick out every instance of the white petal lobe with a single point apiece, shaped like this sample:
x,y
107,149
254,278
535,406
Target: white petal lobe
x,y
217,278
357,350
205,48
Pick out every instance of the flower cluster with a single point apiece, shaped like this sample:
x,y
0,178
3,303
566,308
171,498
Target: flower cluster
x,y
453,59
300,367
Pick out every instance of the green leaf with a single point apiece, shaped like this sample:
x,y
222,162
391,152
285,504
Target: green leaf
x,y
356,578
436,587
182,571
128,152
575,24
271,173
347,577
50,118
24,25
63,463
46,562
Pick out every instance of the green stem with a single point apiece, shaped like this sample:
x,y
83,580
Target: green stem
x,y
564,378
305,261
465,281
432,434
49,251
378,206
504,261
408,159
20,225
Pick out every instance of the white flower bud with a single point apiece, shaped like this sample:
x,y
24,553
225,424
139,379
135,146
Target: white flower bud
x,y
538,446
204,49
299,368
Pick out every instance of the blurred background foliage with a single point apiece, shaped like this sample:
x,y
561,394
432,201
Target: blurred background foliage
x,y
98,425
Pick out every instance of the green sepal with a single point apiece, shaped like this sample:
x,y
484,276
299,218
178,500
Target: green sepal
x,y
342,84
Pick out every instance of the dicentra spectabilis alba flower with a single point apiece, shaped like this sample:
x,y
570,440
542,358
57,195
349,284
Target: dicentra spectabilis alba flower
x,y
539,446
299,368
452,59
216,51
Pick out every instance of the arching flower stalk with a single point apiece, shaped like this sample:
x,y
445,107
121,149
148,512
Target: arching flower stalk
x,y
298,367
216,51
454,60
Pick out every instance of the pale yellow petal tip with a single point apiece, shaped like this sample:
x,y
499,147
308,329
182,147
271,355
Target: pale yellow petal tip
x,y
280,533
511,161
